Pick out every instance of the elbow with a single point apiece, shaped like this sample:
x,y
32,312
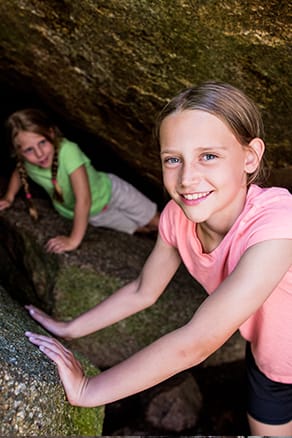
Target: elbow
x,y
143,296
195,349
150,300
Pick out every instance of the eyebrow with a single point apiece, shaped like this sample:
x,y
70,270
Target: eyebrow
x,y
199,149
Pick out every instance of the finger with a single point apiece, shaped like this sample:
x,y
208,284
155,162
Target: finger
x,y
50,247
32,309
38,339
59,250
36,313
55,351
53,343
55,247
48,344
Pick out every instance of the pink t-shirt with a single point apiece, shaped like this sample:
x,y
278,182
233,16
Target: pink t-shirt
x,y
267,215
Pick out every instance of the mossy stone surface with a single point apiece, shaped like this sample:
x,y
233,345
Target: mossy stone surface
x,y
107,68
33,401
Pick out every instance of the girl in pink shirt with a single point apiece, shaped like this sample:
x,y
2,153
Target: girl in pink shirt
x,y
234,237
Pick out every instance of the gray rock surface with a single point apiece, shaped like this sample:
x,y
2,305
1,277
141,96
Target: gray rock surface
x,y
178,407
32,401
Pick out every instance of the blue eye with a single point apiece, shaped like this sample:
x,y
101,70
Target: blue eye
x,y
209,157
171,160
42,142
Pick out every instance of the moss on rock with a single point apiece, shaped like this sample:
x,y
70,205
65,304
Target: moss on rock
x,y
79,289
33,401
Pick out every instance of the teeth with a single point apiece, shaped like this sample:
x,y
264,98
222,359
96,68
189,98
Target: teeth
x,y
195,196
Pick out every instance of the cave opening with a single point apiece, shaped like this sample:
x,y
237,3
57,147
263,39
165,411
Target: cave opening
x,y
22,94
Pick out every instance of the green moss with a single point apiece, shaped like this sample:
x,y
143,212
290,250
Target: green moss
x,y
85,421
78,290
34,400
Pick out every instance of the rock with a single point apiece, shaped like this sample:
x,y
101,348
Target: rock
x,y
107,68
176,407
33,401
80,279
95,270
28,272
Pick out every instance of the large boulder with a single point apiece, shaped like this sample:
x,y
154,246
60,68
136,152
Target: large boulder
x,y
106,260
107,68
28,273
77,281
33,401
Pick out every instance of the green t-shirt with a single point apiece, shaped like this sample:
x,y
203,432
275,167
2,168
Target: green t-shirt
x,y
71,158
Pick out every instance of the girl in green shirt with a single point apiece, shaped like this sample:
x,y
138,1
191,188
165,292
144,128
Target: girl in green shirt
x,y
77,190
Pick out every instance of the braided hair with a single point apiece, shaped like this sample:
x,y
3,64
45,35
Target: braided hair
x,y
34,120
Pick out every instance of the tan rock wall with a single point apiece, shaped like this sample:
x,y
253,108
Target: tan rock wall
x,y
109,67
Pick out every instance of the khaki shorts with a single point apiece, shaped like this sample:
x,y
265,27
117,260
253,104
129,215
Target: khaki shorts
x,y
127,210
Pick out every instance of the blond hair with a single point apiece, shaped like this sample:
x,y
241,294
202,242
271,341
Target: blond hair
x,y
226,102
35,121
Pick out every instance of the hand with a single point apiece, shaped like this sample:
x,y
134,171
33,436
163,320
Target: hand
x,y
69,368
60,244
57,328
4,203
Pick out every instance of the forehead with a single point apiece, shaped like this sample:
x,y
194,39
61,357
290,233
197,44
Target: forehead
x,y
195,125
25,138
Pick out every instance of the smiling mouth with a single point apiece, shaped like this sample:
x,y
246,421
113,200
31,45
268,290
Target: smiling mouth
x,y
194,196
44,161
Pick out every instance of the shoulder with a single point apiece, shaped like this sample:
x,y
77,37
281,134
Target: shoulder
x,y
264,200
69,147
71,156
269,195
267,214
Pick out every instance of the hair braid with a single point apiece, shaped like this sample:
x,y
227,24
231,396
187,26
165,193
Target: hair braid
x,y
23,178
57,189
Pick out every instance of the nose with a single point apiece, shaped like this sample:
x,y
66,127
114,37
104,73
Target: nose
x,y
190,174
38,152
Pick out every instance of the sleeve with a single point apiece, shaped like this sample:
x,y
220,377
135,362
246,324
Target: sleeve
x,y
273,220
72,156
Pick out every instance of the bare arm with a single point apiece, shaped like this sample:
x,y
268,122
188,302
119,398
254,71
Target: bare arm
x,y
80,186
221,314
137,295
13,188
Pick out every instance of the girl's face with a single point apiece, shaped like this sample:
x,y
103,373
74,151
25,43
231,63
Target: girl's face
x,y
35,149
204,167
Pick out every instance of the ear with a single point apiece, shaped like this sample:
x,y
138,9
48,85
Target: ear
x,y
254,154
